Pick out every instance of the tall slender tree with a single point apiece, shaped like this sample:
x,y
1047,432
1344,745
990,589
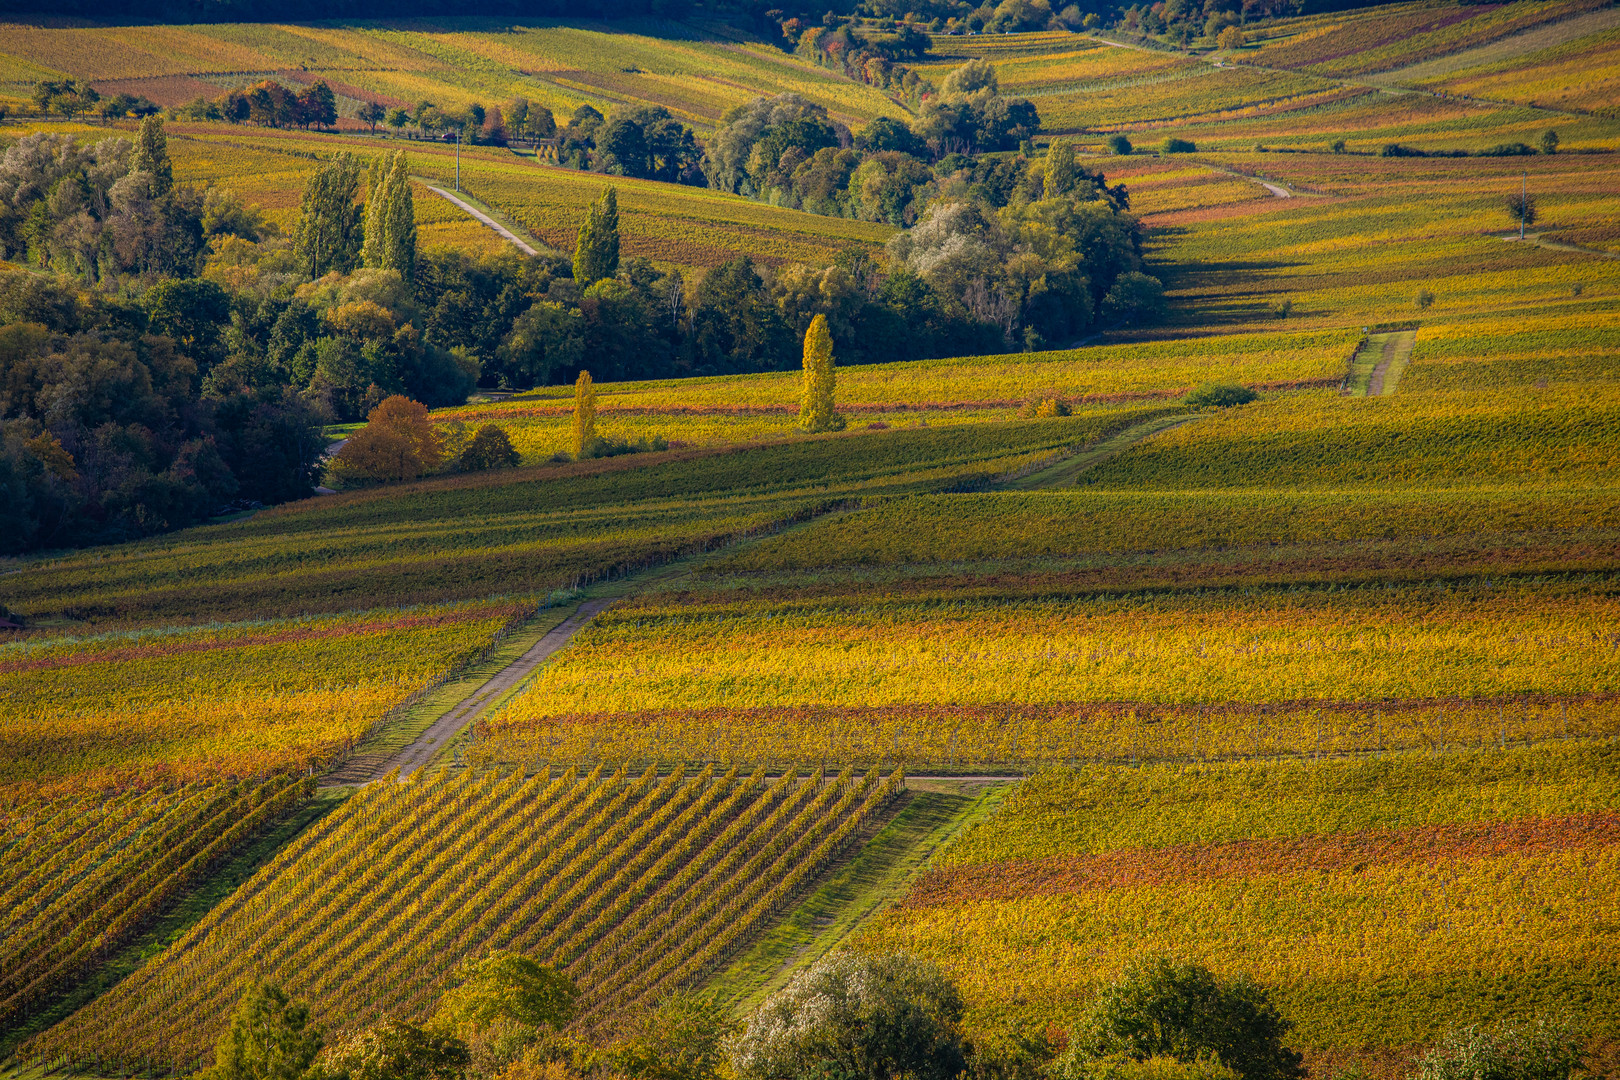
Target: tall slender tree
x,y
152,155
817,412
584,414
330,222
1060,168
390,229
596,254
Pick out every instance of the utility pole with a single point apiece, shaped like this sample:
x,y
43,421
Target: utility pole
x,y
1524,191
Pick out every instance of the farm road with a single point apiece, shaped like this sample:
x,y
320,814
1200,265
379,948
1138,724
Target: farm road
x,y
482,217
430,742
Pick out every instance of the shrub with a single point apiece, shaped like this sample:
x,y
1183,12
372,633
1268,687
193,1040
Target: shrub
x,y
1397,150
1219,395
1337,146
1541,1049
1173,145
1549,141
489,449
399,442
1120,1067
1283,309
1512,149
1046,405
1162,1009
600,447
1423,300
858,1018
1119,145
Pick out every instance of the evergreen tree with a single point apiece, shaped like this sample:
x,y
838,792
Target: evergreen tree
x,y
390,230
584,413
596,255
152,155
1059,169
817,412
329,220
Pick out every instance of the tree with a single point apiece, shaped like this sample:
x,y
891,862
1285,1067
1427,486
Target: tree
x,y
1219,395
329,220
270,1038
194,312
1161,1008
596,254
397,118
398,1051
1521,207
490,448
545,340
584,414
1120,145
1231,38
681,1038
398,442
318,105
508,985
151,156
1540,1049
1060,168
390,222
1172,145
373,114
817,412
1549,141
1135,298
856,1018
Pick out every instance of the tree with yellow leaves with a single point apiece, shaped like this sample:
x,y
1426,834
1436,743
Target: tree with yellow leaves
x,y
817,412
584,414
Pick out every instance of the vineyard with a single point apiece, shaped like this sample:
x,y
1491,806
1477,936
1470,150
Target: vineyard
x,y
1384,898
630,884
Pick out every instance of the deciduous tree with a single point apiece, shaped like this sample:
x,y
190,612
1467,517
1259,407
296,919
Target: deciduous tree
x,y
817,412
329,220
584,413
399,442
596,253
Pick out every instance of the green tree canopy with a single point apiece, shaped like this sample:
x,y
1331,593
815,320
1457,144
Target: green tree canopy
x,y
270,1038
330,221
596,254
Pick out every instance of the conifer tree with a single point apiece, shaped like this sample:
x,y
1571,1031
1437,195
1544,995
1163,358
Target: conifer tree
x,y
152,155
329,220
817,413
584,414
596,255
390,242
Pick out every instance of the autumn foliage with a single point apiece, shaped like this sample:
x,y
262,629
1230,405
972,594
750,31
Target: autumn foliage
x,y
399,442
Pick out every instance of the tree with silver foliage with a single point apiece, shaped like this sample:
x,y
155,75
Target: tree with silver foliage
x,y
330,223
858,1018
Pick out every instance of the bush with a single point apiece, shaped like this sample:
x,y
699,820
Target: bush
x,y
1549,141
1047,405
1119,145
1423,300
1219,395
1337,146
1120,1067
1541,1049
1397,150
856,1018
599,447
1173,145
1162,1009
489,449
1512,149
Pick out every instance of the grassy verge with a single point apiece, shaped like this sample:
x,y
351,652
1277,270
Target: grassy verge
x,y
877,875
1064,472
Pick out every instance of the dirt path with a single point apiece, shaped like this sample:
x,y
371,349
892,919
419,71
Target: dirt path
x,y
479,215
423,749
1397,353
1539,240
1276,189
1063,473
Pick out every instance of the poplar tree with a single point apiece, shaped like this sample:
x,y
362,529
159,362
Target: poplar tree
x,y
584,414
329,220
152,155
1060,170
596,254
817,413
390,242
